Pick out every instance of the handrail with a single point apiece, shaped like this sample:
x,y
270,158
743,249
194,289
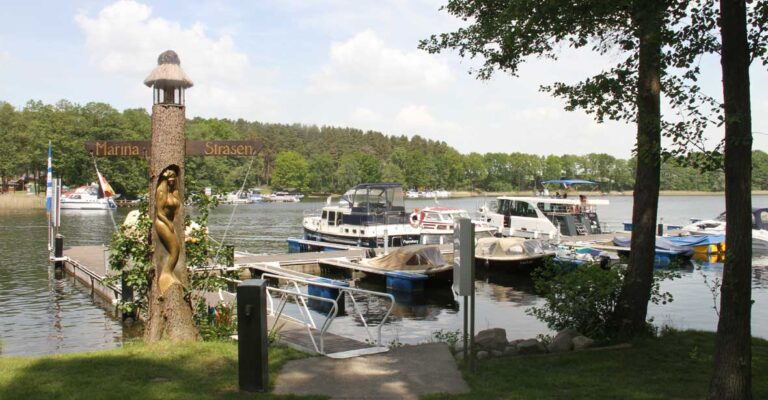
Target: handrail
x,y
77,265
351,291
304,309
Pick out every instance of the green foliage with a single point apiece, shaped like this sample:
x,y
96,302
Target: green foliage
x,y
291,171
585,298
452,338
336,158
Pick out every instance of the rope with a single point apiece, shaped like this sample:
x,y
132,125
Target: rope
x,y
232,214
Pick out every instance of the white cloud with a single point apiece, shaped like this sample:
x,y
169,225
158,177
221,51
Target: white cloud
x,y
364,116
124,39
415,116
364,62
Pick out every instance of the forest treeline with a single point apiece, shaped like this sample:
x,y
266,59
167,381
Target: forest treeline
x,y
317,159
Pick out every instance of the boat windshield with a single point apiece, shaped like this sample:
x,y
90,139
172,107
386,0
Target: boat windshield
x,y
387,197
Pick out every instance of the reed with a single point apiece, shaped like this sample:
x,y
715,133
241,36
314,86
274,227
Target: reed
x,y
21,201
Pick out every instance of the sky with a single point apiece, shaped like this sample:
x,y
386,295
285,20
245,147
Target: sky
x,y
348,63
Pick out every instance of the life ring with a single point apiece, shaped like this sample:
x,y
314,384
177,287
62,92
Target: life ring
x,y
416,218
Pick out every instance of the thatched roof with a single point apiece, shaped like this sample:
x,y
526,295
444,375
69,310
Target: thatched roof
x,y
168,72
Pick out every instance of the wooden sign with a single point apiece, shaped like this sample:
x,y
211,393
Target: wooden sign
x,y
141,148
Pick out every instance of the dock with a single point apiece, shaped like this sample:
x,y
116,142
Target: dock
x,y
89,265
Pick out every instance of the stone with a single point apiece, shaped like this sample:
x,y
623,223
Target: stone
x,y
482,355
511,351
531,346
497,353
582,342
492,339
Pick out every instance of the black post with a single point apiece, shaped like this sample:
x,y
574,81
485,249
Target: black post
x,y
660,229
126,294
58,253
252,335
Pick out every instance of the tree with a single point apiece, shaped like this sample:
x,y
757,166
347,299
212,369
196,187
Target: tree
x,y
505,34
732,376
290,171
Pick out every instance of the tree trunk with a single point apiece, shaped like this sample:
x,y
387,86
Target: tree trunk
x,y
630,315
170,312
732,375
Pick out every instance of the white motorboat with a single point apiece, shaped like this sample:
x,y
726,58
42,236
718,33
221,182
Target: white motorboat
x,y
366,216
513,253
87,198
437,223
545,217
282,197
717,227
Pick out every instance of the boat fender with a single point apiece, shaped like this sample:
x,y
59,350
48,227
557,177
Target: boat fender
x,y
416,218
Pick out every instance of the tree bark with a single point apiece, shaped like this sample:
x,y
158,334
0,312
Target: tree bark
x,y
170,313
630,315
732,375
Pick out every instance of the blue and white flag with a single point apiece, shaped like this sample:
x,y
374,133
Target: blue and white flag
x,y
49,183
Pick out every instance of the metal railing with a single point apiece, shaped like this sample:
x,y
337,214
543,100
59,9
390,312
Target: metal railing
x,y
292,291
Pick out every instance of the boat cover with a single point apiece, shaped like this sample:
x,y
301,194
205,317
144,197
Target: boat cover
x,y
410,258
511,246
679,245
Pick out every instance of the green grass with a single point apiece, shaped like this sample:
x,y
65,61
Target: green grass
x,y
675,366
205,370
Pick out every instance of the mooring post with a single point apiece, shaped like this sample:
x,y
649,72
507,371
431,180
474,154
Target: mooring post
x,y
58,253
252,335
660,227
229,253
126,294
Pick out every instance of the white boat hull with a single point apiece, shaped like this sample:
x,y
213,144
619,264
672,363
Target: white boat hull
x,y
87,205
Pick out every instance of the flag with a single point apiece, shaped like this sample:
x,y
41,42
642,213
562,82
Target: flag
x,y
105,187
49,183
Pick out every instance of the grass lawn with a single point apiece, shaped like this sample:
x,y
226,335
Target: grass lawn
x,y
675,366
206,370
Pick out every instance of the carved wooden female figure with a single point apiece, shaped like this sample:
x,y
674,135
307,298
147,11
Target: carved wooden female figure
x,y
167,203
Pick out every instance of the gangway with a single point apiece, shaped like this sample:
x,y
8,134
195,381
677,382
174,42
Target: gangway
x,y
319,339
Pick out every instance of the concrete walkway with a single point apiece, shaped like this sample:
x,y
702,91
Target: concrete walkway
x,y
404,373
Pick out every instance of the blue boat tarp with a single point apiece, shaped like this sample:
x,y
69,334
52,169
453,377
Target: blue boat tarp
x,y
569,182
675,245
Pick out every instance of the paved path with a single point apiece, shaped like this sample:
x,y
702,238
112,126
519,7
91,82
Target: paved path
x,y
404,373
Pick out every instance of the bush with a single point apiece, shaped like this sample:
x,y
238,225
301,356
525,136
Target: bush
x,y
582,299
585,298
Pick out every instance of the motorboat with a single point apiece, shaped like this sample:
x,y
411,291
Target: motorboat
x,y
546,216
437,224
717,227
238,197
421,259
366,216
282,197
255,196
87,198
513,253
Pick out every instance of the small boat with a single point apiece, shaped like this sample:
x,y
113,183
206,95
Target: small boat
x,y
546,216
717,227
282,197
87,198
419,259
366,216
437,223
238,197
255,195
514,253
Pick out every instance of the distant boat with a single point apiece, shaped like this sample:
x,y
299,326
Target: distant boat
x,y
97,196
437,223
282,197
87,198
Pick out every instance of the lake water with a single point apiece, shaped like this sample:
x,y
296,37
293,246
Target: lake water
x,y
40,315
